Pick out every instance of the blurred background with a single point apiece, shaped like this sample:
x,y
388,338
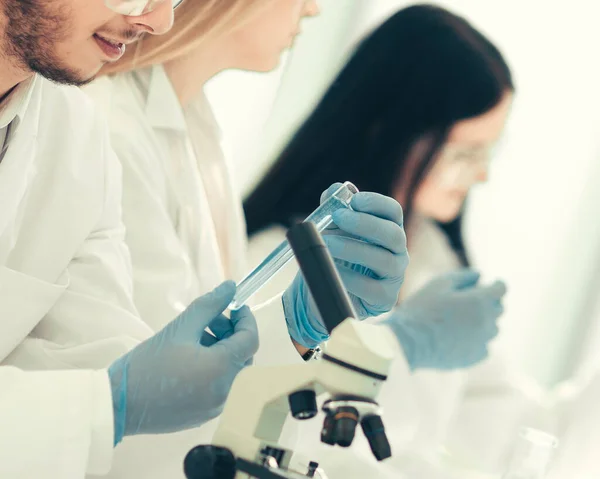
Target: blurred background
x,y
536,223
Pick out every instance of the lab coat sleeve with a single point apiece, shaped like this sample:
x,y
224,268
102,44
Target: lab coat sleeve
x,y
55,423
95,316
164,277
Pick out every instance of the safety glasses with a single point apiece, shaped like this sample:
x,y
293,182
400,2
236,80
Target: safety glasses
x,y
460,166
135,8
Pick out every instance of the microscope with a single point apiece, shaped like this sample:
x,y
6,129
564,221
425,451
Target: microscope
x,y
351,370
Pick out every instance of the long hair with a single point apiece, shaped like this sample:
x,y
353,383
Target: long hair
x,y
407,83
196,22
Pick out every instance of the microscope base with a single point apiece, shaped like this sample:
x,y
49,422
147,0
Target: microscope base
x,y
213,462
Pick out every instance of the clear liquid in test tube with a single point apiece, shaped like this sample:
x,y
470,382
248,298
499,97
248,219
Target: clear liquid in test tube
x,y
281,255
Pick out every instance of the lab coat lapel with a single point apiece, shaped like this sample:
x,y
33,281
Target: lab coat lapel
x,y
217,180
194,220
202,231
19,312
18,166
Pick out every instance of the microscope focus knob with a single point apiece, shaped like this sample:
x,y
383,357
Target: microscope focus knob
x,y
328,431
339,426
303,404
209,462
346,420
374,431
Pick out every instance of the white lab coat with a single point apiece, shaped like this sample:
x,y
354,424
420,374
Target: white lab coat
x,y
54,424
185,229
65,285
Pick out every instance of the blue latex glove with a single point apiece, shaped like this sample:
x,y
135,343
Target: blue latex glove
x,y
449,322
180,378
368,245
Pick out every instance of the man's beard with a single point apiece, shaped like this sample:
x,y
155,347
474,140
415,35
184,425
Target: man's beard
x,y
33,30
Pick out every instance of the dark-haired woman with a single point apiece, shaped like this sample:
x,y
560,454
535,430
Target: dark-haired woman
x,y
415,114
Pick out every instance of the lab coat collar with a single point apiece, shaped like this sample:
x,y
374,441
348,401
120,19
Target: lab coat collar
x,y
15,106
163,108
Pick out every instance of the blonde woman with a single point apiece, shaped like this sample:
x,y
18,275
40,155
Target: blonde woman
x,y
183,216
184,220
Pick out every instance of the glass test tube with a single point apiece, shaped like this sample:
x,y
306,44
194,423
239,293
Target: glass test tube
x,y
531,455
281,255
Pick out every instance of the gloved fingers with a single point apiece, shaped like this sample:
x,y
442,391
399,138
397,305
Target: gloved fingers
x,y
330,191
190,324
460,279
207,339
243,343
381,261
221,327
380,295
498,309
484,327
372,229
492,330
496,290
487,294
378,205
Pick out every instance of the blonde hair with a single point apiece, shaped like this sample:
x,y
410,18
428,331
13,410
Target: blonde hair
x,y
196,21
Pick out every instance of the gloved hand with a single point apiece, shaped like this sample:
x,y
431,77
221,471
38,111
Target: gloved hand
x,y
449,322
180,378
368,245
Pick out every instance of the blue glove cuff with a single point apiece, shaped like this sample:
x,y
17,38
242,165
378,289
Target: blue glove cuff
x,y
117,373
303,327
412,336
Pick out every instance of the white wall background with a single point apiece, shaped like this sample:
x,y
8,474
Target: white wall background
x,y
536,223
242,103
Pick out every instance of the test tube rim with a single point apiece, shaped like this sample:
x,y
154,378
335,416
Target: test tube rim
x,y
351,186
